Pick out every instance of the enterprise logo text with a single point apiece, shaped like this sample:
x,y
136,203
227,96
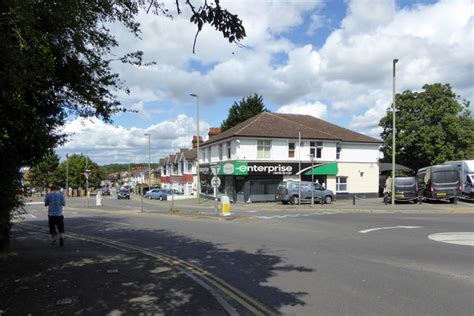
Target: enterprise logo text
x,y
270,169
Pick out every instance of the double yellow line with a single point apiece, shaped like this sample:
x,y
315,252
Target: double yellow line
x,y
209,281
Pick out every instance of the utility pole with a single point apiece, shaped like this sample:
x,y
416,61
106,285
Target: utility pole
x,y
67,175
394,130
198,176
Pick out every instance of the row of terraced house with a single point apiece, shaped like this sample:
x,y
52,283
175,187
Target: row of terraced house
x,y
252,157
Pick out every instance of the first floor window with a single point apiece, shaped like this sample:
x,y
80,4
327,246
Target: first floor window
x,y
316,149
263,148
220,151
291,149
341,184
228,150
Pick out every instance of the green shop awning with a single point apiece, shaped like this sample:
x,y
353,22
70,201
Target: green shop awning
x,y
327,169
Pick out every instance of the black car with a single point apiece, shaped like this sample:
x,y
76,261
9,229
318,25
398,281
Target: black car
x,y
123,193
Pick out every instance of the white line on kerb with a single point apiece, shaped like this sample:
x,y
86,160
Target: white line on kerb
x,y
381,228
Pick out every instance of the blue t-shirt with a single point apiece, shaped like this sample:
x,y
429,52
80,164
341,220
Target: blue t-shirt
x,y
55,202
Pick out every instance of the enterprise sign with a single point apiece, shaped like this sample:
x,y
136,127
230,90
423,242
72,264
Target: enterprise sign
x,y
243,168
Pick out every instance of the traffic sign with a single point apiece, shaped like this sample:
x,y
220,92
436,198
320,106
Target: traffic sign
x,y
216,181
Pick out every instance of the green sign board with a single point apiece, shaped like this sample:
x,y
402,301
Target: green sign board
x,y
237,168
324,169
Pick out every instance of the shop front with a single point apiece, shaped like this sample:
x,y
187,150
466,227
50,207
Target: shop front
x,y
247,181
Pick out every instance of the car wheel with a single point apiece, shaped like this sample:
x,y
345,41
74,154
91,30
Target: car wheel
x,y
327,199
294,200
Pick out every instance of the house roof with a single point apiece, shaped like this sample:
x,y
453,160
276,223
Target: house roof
x,y
189,154
279,125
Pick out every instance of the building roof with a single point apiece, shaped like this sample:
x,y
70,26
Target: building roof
x,y
189,154
279,125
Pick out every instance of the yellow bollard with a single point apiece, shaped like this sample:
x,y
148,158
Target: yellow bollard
x,y
225,202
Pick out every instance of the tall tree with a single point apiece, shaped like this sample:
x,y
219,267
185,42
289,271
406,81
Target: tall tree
x,y
245,109
432,126
45,173
56,63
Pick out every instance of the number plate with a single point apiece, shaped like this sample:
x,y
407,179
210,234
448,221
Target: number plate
x,y
441,194
400,195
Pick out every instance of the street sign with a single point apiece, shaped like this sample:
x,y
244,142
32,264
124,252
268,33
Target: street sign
x,y
87,173
216,181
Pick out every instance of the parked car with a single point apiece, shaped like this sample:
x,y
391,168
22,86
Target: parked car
x,y
466,173
288,192
105,191
439,182
145,189
406,190
156,194
173,191
123,193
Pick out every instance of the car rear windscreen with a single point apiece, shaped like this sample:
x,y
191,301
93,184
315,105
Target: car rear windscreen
x,y
445,176
404,182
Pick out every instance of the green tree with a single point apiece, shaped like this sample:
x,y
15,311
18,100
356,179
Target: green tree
x,y
55,63
77,164
45,173
245,109
432,126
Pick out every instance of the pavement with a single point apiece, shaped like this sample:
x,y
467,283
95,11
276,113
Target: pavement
x,y
89,278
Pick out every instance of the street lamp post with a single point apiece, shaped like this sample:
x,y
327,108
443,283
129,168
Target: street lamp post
x,y
67,175
149,165
198,187
393,134
299,168
312,179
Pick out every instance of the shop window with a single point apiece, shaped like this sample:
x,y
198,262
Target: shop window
x,y
338,151
341,184
263,148
291,149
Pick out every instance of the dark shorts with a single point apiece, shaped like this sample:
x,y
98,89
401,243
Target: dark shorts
x,y
56,221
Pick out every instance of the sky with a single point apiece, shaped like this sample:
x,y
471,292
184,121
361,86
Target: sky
x,y
331,59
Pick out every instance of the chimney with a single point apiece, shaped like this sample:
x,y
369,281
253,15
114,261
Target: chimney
x,y
213,131
195,141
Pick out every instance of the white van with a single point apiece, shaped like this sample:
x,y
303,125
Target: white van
x,y
466,172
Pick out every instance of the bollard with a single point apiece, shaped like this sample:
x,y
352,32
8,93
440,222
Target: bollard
x,y
98,198
353,200
225,206
455,199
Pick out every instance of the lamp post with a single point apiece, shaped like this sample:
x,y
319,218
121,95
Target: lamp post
x,y
312,179
393,133
198,187
149,167
67,175
299,167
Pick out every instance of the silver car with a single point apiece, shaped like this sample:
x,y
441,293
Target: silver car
x,y
288,192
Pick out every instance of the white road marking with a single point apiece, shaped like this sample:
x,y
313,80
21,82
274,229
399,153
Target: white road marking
x,y
110,222
34,203
457,238
381,228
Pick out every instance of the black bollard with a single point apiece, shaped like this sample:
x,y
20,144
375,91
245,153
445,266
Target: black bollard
x,y
353,200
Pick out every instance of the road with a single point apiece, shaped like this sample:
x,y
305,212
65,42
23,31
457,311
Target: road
x,y
326,263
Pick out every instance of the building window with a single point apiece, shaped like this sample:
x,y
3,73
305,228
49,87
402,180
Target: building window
x,y
291,149
209,153
203,154
190,167
220,151
316,149
338,151
341,184
263,148
228,150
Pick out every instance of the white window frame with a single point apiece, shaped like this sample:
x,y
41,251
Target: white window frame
x,y
264,148
316,149
338,151
220,150
339,184
229,150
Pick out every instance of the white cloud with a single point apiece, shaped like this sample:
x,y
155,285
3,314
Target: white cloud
x,y
106,143
316,109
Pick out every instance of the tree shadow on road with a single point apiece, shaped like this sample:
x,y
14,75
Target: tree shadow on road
x,y
138,284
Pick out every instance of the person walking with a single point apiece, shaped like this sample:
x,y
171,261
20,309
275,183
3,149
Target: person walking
x,y
55,201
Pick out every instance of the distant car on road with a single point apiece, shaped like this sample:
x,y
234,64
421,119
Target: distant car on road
x,y
123,193
288,192
105,191
173,191
156,194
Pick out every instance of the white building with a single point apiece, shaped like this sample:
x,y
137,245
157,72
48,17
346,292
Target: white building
x,y
254,156
179,171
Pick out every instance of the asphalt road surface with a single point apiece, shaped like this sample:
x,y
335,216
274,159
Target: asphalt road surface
x,y
316,264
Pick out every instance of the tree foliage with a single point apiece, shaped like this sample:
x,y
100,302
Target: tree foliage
x,y
245,109
432,126
45,173
56,62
